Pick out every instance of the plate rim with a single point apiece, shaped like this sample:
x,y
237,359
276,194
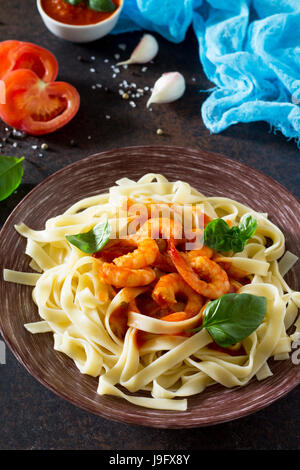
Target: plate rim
x,y
173,147
126,419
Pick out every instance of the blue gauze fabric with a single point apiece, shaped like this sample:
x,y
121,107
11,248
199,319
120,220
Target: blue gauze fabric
x,y
249,49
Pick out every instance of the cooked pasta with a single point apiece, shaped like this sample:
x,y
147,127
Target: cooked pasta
x,y
136,335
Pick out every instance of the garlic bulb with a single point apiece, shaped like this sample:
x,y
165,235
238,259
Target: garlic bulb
x,y
145,51
169,87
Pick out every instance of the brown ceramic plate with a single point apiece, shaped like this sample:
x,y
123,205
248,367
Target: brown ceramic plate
x,y
211,174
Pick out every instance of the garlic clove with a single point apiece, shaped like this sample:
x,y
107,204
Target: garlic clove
x,y
145,51
169,87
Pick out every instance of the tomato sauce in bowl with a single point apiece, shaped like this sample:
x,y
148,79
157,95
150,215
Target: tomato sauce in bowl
x,y
79,15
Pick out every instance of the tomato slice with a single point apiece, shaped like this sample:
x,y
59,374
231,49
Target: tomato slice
x,y
16,55
2,92
34,106
5,48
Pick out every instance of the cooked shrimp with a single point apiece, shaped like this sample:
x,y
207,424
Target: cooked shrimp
x,y
125,277
218,283
191,271
114,249
145,255
164,263
161,227
193,238
204,251
162,260
170,285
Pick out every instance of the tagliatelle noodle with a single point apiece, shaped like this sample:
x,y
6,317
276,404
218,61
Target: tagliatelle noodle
x,y
76,306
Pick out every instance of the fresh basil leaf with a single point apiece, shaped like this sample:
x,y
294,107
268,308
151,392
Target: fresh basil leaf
x,y
233,317
220,237
93,240
74,2
216,235
104,6
247,226
11,173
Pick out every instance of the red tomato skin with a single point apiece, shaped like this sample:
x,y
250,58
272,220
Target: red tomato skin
x,y
26,95
5,48
19,54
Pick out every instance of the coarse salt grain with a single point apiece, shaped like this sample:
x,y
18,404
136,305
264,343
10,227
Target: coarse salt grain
x,y
92,70
132,104
17,133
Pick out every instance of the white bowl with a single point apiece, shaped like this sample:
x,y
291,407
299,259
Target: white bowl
x,y
85,33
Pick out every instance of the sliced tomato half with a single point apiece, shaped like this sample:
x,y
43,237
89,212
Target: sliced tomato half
x,y
34,106
5,48
16,55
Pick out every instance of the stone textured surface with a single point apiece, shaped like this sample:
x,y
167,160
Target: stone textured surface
x,y
33,417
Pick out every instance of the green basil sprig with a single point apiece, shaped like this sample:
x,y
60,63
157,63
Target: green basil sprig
x,y
220,237
74,2
233,317
11,173
104,6
93,240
